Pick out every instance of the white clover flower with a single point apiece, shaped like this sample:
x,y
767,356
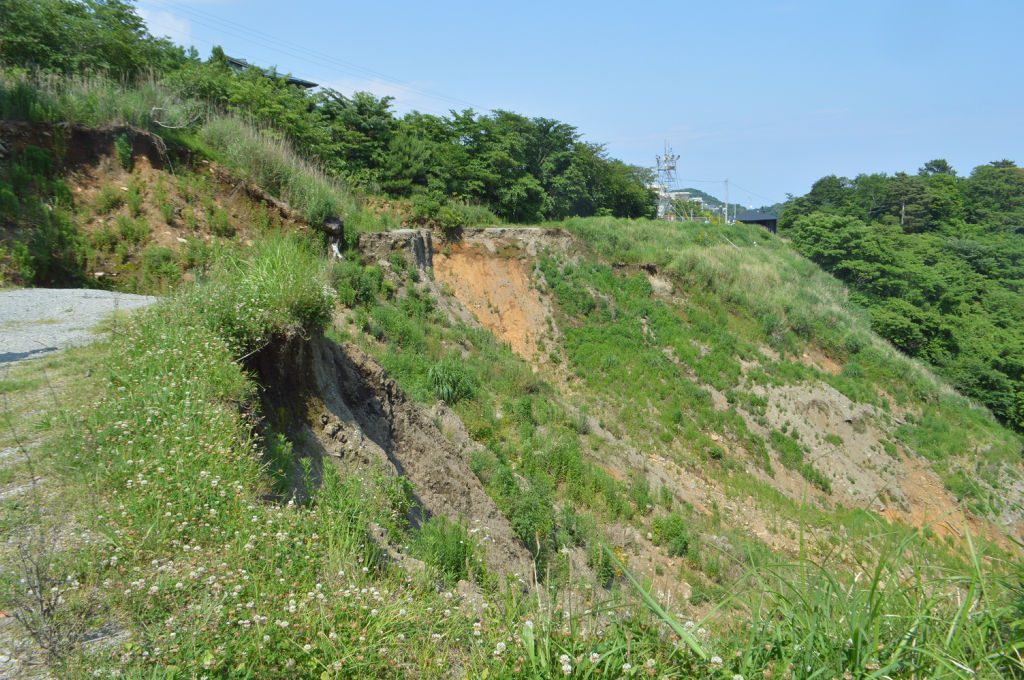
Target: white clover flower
x,y
594,657
650,663
716,660
566,668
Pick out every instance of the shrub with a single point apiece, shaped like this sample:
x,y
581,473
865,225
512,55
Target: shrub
x,y
529,513
109,200
673,532
220,225
37,161
167,212
159,268
450,221
426,207
132,231
134,200
197,254
104,239
51,251
10,207
451,380
123,148
445,545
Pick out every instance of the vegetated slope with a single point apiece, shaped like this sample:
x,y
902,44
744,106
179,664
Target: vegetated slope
x,y
116,208
226,546
937,259
742,374
338,407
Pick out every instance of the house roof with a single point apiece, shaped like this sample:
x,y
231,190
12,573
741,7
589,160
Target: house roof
x,y
755,216
243,64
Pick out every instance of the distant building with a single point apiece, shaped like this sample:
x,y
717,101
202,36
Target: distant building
x,y
766,220
240,65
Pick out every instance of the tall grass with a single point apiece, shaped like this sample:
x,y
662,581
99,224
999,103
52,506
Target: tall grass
x,y
890,616
281,286
274,165
83,100
259,156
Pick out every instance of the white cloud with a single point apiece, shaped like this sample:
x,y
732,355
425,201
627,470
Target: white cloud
x,y
162,24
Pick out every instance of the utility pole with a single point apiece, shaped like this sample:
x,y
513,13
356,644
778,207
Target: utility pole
x,y
727,200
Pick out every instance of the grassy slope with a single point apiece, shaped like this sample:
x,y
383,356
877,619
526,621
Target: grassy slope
x,y
207,579
769,296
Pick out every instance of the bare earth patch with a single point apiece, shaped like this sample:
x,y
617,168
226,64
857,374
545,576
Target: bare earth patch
x,y
499,291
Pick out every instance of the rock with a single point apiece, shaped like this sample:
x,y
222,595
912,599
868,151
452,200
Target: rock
x,y
416,244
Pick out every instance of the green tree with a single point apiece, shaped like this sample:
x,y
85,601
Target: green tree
x,y
73,36
939,166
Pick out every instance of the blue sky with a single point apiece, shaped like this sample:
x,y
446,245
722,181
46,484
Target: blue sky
x,y
772,95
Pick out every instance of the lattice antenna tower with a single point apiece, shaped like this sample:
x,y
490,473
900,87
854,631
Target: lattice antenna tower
x,y
666,180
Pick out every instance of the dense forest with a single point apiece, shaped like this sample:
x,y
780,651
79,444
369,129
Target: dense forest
x,y
939,261
522,169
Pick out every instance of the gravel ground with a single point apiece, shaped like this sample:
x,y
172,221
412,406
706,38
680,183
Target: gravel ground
x,y
38,321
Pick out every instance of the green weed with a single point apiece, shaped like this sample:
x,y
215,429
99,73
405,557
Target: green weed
x,y
123,149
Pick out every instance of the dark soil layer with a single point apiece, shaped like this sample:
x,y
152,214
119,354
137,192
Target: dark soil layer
x,y
344,410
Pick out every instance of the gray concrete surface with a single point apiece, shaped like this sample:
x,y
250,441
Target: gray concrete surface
x,y
38,321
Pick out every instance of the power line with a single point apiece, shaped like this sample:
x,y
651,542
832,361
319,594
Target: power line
x,y
752,193
299,52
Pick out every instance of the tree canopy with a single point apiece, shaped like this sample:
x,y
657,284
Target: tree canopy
x,y
939,261
523,169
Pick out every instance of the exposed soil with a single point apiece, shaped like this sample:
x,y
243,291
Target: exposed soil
x,y
929,503
346,411
815,358
76,145
179,211
500,293
487,277
490,273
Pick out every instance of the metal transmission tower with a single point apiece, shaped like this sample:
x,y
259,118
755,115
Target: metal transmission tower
x,y
666,181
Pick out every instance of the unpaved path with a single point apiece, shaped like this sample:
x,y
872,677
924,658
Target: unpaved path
x,y
38,321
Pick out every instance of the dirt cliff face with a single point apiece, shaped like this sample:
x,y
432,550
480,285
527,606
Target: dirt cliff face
x,y
74,145
350,413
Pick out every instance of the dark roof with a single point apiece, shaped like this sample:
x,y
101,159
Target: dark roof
x,y
242,64
755,216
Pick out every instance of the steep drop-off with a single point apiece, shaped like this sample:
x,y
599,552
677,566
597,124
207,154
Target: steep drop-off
x,y
344,410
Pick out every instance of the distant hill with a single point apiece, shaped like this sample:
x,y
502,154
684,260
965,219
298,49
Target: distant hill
x,y
708,198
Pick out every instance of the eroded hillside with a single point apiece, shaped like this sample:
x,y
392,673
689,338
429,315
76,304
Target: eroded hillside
x,y
675,392
306,465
